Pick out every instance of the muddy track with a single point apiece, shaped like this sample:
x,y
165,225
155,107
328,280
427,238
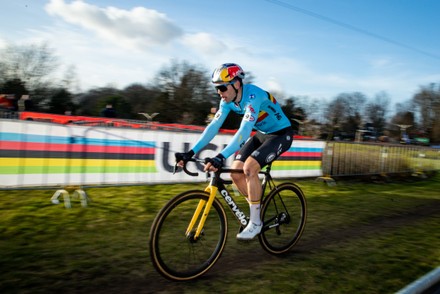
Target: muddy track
x,y
154,283
376,225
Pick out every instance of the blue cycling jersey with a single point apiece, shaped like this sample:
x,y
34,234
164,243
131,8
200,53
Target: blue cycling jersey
x,y
260,111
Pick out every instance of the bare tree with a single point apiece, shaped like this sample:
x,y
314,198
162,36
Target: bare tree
x,y
312,107
70,79
343,114
427,101
31,64
187,95
376,111
142,99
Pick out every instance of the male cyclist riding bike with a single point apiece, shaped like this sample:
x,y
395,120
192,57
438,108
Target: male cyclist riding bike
x,y
274,135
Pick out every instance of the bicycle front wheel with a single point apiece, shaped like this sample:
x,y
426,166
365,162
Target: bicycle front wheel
x,y
180,257
284,215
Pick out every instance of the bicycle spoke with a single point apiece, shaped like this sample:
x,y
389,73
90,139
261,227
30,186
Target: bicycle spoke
x,y
284,215
181,257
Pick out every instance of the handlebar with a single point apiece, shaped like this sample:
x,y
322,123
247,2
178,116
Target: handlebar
x,y
202,161
185,169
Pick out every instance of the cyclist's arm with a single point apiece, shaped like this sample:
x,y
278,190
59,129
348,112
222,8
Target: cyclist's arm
x,y
212,129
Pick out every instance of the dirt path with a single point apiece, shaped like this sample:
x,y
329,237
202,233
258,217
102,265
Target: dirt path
x,y
154,283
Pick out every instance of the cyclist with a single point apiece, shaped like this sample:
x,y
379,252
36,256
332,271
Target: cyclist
x,y
274,135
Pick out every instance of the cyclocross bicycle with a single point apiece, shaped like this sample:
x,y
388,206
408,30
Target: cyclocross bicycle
x,y
189,233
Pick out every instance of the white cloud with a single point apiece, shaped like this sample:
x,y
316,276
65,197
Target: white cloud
x,y
98,64
153,40
274,85
3,43
204,43
136,28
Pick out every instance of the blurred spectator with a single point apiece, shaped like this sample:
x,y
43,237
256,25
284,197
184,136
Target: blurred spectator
x,y
7,102
108,111
25,103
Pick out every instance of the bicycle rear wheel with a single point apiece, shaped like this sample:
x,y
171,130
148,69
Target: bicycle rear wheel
x,y
180,257
284,213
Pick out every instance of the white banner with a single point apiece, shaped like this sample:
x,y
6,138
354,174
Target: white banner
x,y
38,154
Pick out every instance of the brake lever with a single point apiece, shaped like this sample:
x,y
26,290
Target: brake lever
x,y
175,168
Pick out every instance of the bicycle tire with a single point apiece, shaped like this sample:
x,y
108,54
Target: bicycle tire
x,y
176,256
284,214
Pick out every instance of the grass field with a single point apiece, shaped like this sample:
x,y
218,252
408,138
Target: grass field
x,y
360,238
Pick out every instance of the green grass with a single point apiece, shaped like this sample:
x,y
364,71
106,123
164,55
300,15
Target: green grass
x,y
360,238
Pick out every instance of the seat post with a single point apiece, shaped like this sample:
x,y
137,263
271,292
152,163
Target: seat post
x,y
269,167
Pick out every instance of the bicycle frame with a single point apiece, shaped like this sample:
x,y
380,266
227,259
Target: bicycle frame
x,y
206,223
217,184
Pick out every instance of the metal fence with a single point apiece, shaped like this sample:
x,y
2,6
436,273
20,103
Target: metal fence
x,y
359,159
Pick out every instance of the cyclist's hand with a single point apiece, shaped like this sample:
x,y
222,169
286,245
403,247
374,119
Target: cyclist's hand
x,y
184,157
214,163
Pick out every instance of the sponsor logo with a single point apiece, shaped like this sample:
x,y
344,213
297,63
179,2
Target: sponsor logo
x,y
280,149
217,115
270,157
239,214
251,96
248,117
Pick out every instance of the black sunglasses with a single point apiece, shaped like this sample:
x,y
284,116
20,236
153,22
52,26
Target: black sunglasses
x,y
223,87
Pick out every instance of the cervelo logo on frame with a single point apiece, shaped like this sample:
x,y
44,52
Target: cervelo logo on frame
x,y
240,215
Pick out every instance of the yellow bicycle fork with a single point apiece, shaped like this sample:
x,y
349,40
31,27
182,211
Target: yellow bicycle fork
x,y
202,203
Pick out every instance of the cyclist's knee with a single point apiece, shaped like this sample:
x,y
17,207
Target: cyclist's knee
x,y
237,177
236,164
251,167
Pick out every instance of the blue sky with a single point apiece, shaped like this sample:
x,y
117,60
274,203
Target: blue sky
x,y
315,48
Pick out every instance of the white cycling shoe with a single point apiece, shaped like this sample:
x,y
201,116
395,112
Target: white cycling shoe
x,y
249,232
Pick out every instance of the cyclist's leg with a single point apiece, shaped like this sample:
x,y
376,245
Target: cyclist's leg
x,y
249,185
239,179
273,145
269,147
251,168
248,182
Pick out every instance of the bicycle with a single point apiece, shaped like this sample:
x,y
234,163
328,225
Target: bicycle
x,y
189,233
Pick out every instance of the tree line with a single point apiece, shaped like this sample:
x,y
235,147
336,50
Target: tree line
x,y
182,93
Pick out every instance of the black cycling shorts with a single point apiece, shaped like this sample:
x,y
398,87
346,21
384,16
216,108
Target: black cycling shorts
x,y
265,148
